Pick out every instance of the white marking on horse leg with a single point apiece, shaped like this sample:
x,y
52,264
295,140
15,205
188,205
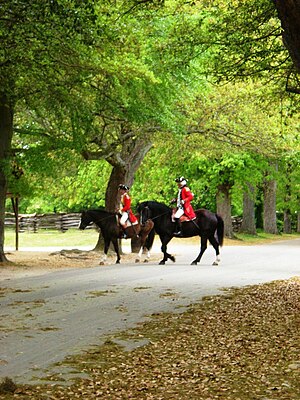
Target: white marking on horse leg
x,y
217,260
104,258
140,253
147,258
138,258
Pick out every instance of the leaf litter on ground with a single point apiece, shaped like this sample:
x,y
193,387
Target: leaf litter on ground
x,y
237,346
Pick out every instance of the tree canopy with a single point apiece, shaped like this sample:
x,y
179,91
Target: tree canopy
x,y
110,81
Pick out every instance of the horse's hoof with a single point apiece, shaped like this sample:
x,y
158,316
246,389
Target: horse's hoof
x,y
137,260
194,263
101,263
146,261
172,258
162,262
215,263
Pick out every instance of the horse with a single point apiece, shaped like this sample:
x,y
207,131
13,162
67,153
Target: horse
x,y
208,225
112,231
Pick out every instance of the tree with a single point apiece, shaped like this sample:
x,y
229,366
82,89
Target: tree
x,y
42,52
289,15
128,95
269,190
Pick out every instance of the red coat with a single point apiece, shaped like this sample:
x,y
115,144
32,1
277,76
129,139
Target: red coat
x,y
186,197
126,206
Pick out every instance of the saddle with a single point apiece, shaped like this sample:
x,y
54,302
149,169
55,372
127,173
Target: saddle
x,y
183,218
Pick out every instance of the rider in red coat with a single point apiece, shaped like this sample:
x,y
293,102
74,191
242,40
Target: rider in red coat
x,y
184,198
125,207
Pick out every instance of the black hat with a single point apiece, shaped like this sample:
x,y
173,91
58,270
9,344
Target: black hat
x,y
124,187
180,179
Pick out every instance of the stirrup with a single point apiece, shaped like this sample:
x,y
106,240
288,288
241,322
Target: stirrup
x,y
179,233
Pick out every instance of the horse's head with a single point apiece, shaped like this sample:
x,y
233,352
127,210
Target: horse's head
x,y
85,220
145,212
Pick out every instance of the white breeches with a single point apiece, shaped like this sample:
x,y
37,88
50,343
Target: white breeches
x,y
179,213
124,218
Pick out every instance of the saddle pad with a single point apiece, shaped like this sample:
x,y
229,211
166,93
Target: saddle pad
x,y
184,218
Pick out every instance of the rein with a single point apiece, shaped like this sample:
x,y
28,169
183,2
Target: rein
x,y
159,215
102,219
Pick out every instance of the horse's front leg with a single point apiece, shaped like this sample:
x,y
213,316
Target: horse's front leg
x,y
202,250
140,254
106,247
164,251
116,247
166,254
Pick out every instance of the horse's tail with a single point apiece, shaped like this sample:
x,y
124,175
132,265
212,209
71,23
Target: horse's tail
x,y
220,229
150,239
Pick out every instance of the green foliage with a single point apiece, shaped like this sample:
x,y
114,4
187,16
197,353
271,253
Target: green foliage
x,y
245,39
93,76
71,187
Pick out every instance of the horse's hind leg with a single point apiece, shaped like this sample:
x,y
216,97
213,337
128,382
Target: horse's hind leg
x,y
216,246
202,250
143,247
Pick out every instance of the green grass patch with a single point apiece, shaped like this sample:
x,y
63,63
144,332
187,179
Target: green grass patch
x,y
263,237
49,238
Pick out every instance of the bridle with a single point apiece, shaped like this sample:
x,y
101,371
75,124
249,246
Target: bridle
x,y
101,219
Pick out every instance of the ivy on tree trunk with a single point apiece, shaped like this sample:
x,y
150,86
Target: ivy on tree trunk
x,y
6,130
269,214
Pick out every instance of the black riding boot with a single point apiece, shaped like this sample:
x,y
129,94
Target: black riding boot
x,y
123,234
177,228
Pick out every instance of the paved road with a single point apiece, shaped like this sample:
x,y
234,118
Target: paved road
x,y
45,318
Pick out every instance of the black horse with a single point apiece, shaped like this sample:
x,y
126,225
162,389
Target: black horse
x,y
112,231
208,225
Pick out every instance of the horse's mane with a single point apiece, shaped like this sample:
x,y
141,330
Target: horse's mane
x,y
160,207
100,210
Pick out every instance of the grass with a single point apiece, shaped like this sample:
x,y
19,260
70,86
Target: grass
x,y
263,237
49,238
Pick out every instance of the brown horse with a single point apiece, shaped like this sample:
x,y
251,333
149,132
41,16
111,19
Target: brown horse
x,y
112,231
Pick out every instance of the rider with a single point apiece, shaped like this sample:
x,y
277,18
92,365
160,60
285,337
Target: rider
x,y
125,208
184,198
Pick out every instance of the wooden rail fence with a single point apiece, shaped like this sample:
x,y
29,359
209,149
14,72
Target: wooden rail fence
x,y
62,221
34,222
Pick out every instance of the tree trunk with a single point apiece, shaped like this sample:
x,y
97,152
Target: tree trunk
x,y
298,221
289,15
224,208
287,215
248,223
287,221
6,132
124,168
259,208
270,223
